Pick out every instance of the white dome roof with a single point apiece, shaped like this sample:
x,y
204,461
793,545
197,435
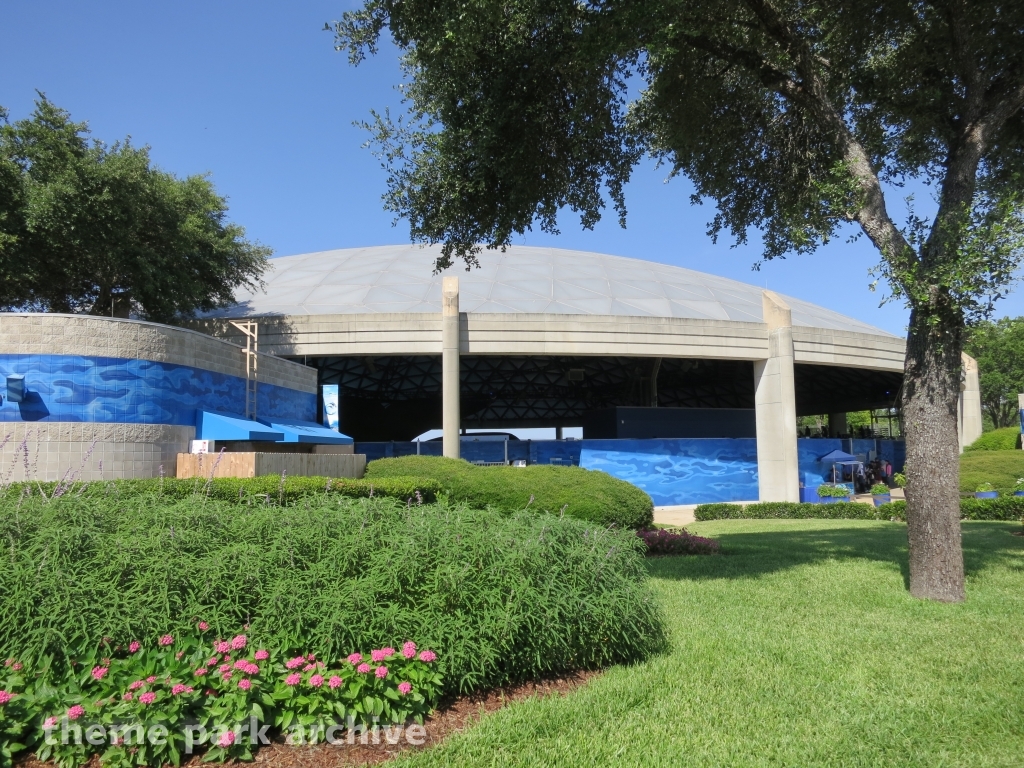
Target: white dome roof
x,y
400,279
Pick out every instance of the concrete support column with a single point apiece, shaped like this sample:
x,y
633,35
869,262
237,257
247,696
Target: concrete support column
x,y
450,366
654,382
969,413
837,424
778,471
558,433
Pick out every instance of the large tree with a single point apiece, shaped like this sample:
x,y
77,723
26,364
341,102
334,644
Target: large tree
x,y
791,116
999,349
86,227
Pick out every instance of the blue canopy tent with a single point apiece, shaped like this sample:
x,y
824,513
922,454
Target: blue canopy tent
x,y
845,460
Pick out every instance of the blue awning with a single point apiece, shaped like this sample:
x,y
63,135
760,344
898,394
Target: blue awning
x,y
220,426
835,456
298,431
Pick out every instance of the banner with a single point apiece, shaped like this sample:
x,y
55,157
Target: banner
x,y
330,414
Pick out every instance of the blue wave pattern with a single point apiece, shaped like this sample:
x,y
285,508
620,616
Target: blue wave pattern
x,y
682,471
129,391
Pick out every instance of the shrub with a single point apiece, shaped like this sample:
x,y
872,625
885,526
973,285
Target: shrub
x,y
826,491
506,596
1006,439
660,541
272,489
879,489
766,510
1001,468
984,488
588,495
1005,508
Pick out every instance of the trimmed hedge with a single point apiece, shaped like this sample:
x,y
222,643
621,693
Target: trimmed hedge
x,y
1001,468
265,489
1005,439
588,495
1003,508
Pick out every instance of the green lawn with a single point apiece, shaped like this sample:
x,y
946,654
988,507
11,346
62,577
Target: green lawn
x,y
797,646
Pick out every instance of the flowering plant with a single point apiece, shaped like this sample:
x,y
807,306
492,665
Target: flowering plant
x,y
136,705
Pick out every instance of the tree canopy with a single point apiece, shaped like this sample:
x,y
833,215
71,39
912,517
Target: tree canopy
x,y
87,227
999,349
790,116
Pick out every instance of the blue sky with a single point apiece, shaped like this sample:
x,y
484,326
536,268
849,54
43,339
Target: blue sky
x,y
254,94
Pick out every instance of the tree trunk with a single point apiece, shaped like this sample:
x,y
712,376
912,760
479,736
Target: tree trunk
x,y
930,394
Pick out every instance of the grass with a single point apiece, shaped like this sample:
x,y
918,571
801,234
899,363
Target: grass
x,y
798,646
1001,468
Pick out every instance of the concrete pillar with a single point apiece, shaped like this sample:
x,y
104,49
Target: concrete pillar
x,y
450,366
969,413
778,472
837,424
654,382
558,433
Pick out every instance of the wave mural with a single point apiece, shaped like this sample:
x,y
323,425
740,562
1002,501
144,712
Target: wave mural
x,y
681,471
128,391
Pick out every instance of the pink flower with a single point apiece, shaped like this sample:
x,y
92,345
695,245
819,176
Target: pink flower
x,y
310,657
151,679
224,668
378,654
316,681
251,669
76,712
334,682
226,676
128,696
99,672
165,640
179,688
309,667
136,685
50,722
222,646
8,662
245,684
355,658
262,655
241,664
226,739
134,646
179,654
409,650
147,698
381,672
363,668
298,661
388,650
405,688
5,696
293,679
16,666
428,656
201,671
203,626
238,643
212,660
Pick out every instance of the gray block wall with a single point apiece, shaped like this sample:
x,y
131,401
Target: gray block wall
x,y
52,450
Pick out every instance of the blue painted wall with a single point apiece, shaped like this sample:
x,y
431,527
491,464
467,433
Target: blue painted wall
x,y
119,390
680,471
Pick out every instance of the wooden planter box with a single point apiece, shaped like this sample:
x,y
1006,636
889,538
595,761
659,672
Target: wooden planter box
x,y
242,464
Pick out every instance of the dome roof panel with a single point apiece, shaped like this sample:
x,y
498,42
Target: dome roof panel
x,y
522,279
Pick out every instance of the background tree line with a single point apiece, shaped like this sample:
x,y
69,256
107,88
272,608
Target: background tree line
x,y
87,227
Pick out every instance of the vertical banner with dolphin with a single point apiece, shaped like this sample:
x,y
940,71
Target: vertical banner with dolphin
x,y
330,412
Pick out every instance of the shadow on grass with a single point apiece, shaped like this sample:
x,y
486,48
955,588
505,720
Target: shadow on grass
x,y
751,554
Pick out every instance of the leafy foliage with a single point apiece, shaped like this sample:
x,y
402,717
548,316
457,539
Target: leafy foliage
x,y
117,698
999,349
767,510
661,541
827,491
594,496
507,597
95,228
1006,439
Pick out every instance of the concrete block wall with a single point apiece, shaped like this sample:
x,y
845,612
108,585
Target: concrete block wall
x,y
51,449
